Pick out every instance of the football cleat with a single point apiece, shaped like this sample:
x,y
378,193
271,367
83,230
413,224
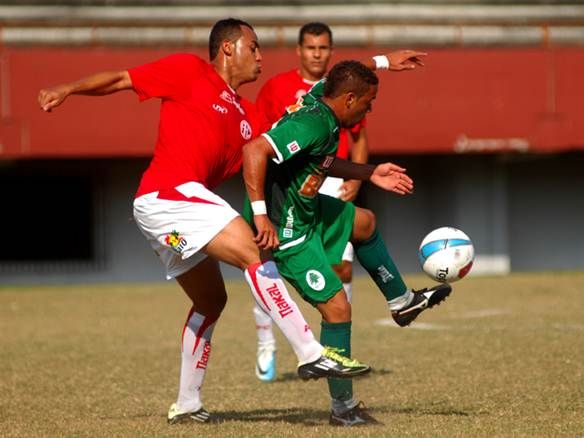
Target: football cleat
x,y
175,416
423,299
332,364
358,416
265,368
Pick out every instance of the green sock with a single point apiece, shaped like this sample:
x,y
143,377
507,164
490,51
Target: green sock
x,y
338,335
374,257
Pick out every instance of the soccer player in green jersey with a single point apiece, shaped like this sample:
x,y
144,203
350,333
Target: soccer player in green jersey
x,y
307,231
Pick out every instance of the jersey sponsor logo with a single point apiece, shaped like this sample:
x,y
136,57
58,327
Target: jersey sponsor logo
x,y
293,147
220,109
202,363
284,308
175,241
227,97
245,129
311,184
315,280
288,228
293,108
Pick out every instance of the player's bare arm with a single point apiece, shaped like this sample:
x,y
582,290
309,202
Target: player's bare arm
x,y
396,61
99,84
359,154
387,176
255,160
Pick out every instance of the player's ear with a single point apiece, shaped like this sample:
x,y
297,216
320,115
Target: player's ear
x,y
227,47
350,99
298,47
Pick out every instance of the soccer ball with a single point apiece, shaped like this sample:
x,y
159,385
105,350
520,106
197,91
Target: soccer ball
x,y
446,254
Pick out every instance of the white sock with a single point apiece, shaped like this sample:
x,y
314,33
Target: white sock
x,y
271,294
339,407
401,301
348,290
264,327
196,348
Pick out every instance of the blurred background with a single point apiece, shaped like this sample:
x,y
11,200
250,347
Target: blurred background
x,y
491,130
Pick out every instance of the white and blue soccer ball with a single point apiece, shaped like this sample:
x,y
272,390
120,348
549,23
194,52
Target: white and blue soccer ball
x,y
446,254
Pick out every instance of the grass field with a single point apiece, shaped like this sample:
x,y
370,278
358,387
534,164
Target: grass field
x,y
502,357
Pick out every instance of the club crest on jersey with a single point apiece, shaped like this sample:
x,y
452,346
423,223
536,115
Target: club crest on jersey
x,y
293,147
175,241
315,280
245,129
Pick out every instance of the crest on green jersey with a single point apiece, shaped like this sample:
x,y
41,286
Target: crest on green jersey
x,y
315,280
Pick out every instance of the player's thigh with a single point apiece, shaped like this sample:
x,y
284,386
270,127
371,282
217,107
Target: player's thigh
x,y
335,226
306,267
234,245
204,285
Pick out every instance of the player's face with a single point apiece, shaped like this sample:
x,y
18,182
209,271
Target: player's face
x,y
247,61
358,107
315,53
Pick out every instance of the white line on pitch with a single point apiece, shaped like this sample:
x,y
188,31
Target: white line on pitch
x,y
388,322
568,326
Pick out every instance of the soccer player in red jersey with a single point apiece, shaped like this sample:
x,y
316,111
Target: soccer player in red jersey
x,y
203,126
279,94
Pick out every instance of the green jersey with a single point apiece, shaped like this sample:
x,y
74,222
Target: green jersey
x,y
305,142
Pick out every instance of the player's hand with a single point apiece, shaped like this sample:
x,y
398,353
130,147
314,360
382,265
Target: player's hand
x,y
267,236
349,190
52,97
392,178
405,60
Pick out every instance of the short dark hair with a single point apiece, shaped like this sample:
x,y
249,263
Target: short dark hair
x,y
314,28
347,76
227,29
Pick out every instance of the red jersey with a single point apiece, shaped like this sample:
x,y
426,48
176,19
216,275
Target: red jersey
x,y
285,89
203,123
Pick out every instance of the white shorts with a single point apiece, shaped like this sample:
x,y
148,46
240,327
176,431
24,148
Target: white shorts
x,y
332,187
179,222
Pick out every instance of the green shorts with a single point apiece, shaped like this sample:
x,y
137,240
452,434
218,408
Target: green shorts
x,y
307,266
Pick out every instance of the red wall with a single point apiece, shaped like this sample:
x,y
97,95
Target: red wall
x,y
480,99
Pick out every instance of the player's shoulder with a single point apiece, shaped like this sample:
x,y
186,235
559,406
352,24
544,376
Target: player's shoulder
x,y
185,58
284,77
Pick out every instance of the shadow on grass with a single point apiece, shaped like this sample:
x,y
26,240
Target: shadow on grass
x,y
289,377
425,410
315,417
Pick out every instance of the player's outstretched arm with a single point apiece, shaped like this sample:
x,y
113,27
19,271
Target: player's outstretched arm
x,y
392,178
387,176
359,154
396,61
256,154
99,84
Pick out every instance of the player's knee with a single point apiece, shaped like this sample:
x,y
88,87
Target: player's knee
x,y
365,223
344,271
337,309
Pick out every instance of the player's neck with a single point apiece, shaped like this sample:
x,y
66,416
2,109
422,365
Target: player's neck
x,y
223,70
336,106
307,76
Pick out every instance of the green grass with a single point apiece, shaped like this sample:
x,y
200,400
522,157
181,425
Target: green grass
x,y
502,357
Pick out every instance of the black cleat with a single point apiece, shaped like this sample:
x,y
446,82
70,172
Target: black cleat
x,y
357,416
332,364
175,416
423,299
